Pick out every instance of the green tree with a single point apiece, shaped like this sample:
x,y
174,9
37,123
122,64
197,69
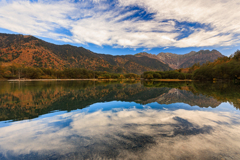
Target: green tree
x,y
237,55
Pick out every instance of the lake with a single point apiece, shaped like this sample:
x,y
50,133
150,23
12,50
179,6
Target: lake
x,y
119,120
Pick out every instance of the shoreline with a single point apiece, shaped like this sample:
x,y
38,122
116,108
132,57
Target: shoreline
x,y
163,80
169,80
160,80
25,80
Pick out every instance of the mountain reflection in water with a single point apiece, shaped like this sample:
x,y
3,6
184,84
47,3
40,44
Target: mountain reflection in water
x,y
112,120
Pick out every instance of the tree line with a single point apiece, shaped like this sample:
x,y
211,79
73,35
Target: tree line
x,y
166,75
17,71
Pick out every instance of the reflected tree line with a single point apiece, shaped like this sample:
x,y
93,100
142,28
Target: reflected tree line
x,y
26,100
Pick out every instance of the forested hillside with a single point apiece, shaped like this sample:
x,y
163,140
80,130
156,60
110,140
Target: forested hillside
x,y
33,52
224,68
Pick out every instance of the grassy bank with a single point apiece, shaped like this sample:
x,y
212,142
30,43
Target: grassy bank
x,y
16,80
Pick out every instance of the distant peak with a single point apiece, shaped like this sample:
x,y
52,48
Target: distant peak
x,y
192,52
143,53
166,53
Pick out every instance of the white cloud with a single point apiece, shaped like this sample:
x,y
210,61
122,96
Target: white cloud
x,y
40,19
100,23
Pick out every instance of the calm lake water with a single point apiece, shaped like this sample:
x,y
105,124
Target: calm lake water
x,y
119,120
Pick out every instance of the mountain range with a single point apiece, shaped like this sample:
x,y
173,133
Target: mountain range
x,y
184,95
177,61
31,51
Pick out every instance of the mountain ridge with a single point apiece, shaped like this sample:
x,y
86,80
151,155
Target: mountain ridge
x,y
31,51
177,61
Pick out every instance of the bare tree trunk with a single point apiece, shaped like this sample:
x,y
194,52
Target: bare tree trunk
x,y
19,73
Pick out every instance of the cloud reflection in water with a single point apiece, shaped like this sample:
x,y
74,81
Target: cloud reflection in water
x,y
125,134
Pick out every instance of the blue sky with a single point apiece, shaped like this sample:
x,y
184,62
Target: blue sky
x,y
121,27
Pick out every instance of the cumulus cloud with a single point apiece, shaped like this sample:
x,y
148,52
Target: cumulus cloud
x,y
127,23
